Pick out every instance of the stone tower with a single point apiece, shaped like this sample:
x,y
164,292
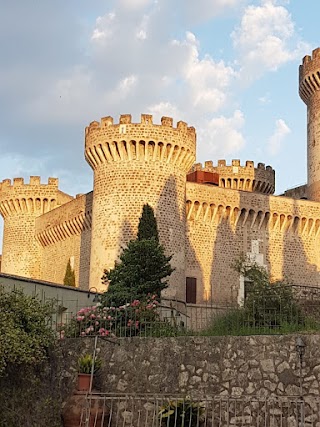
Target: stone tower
x,y
134,164
20,205
309,90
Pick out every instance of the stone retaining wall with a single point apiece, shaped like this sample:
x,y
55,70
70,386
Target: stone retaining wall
x,y
199,366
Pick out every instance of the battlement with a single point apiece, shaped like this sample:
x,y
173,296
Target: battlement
x,y
146,119
309,75
108,142
34,181
208,165
32,197
248,177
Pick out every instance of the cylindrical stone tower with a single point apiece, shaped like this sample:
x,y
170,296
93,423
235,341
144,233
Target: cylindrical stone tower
x,y
134,164
309,90
20,205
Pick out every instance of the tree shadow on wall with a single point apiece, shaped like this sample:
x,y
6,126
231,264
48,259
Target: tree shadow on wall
x,y
300,232
85,244
224,286
171,218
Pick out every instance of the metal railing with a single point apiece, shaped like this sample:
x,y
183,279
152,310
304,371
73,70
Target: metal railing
x,y
103,410
295,309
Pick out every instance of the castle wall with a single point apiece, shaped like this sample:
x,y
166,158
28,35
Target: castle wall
x,y
278,232
259,179
65,234
20,204
135,164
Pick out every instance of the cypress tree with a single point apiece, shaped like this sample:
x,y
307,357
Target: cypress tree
x,y
143,268
147,228
69,277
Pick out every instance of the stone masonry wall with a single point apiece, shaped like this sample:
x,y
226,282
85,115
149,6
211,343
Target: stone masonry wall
x,y
280,233
198,366
65,234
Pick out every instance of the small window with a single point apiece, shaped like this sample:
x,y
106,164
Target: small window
x,y
191,290
122,129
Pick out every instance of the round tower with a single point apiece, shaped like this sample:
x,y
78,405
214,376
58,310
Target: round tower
x,y
20,205
309,91
134,164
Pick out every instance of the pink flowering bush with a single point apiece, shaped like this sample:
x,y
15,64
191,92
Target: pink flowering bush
x,y
127,320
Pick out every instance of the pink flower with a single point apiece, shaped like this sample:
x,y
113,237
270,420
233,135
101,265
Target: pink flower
x,y
92,316
97,323
83,334
135,303
80,318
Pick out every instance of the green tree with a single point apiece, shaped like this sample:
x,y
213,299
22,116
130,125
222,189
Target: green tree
x,y
143,268
25,331
147,228
69,277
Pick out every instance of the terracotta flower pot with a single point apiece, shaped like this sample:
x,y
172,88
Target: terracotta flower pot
x,y
75,407
84,382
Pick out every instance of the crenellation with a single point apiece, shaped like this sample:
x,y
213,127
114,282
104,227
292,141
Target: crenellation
x,y
54,182
146,119
316,53
35,180
167,121
18,182
125,119
106,121
182,126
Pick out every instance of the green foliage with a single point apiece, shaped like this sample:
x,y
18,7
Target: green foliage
x,y
147,228
269,307
85,364
181,413
143,270
69,277
25,331
30,396
267,304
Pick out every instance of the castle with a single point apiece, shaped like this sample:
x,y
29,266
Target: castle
x,y
207,215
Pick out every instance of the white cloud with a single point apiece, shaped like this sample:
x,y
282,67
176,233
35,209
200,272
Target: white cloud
x,y
275,141
265,99
266,39
222,136
104,28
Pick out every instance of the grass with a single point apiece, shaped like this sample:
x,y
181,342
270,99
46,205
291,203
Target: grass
x,y
239,323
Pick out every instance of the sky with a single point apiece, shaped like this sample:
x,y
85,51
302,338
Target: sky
x,y
227,67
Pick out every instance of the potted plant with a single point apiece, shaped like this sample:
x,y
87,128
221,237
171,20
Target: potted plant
x,y
86,366
181,413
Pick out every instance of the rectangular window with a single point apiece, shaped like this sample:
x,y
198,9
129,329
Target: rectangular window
x,y
191,290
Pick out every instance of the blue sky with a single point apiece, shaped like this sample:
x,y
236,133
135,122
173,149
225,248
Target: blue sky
x,y
227,67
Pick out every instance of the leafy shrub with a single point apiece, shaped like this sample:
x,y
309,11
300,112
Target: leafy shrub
x,y
85,364
127,320
25,329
